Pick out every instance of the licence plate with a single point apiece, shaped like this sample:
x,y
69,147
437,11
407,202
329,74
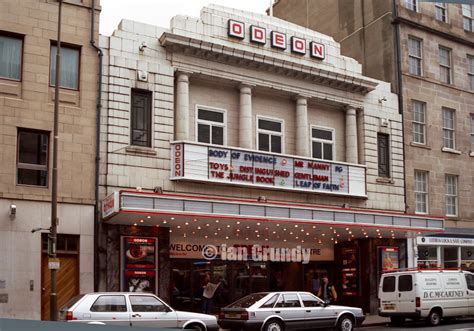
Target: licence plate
x,y
389,306
232,315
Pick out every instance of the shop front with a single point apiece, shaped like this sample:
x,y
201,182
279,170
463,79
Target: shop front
x,y
445,252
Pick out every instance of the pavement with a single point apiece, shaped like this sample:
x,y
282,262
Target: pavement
x,y
375,320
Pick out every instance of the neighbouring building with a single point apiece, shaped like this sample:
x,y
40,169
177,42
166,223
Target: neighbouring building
x,y
28,34
238,132
426,50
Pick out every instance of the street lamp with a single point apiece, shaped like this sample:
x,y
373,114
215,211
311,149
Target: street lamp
x,y
53,262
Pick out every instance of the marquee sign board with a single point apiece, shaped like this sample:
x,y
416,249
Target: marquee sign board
x,y
277,39
445,241
265,170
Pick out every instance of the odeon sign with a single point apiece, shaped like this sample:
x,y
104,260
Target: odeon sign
x,y
258,35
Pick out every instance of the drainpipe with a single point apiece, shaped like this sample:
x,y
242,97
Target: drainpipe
x,y
400,89
97,153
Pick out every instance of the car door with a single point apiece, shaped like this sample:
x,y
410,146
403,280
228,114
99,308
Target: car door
x,y
109,309
406,294
317,314
470,292
149,311
290,309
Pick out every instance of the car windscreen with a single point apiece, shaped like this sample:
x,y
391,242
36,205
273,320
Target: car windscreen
x,y
247,301
71,302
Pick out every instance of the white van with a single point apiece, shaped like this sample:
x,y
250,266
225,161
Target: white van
x,y
430,294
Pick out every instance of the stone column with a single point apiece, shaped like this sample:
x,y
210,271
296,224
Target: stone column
x,y
245,117
302,138
182,106
352,155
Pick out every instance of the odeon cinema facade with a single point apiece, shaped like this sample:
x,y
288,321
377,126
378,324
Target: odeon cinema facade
x,y
247,148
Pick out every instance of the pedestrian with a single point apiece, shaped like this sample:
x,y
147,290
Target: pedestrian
x,y
315,283
327,292
208,293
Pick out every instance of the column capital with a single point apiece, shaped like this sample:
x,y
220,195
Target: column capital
x,y
246,88
183,76
302,97
350,110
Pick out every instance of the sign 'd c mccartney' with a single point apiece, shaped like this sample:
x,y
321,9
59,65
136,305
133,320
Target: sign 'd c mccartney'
x,y
258,35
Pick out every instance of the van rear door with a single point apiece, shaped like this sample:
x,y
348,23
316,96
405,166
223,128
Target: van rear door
x,y
387,294
470,291
406,294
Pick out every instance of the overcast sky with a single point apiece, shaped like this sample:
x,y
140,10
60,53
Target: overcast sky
x,y
159,12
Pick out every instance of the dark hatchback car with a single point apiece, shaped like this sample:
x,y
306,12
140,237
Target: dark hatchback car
x,y
277,311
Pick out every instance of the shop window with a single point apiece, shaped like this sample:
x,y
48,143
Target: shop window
x,y
69,67
467,258
450,257
147,304
388,284
427,257
421,191
109,303
441,11
405,283
451,195
468,17
11,49
270,302
310,301
32,160
412,5
383,154
141,118
418,111
322,143
449,140
445,70
211,126
415,56
270,135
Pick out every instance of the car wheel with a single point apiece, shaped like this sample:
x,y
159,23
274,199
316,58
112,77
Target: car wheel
x,y
196,327
273,325
434,318
345,323
397,320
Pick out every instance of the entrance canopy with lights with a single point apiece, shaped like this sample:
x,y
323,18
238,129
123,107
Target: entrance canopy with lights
x,y
218,218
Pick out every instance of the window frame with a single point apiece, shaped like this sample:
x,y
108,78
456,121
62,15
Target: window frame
x,y
210,123
323,141
78,48
131,296
150,123
443,7
451,195
424,194
389,163
394,284
412,5
401,288
22,39
446,129
471,116
269,132
416,57
418,123
109,295
470,71
469,19
448,67
31,166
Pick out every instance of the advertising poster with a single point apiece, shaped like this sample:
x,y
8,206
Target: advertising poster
x,y
350,272
139,267
389,258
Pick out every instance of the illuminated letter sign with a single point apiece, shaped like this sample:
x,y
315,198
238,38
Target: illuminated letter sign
x,y
298,45
236,29
318,50
257,35
278,40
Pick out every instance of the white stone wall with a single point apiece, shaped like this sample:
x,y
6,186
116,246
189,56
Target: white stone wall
x,y
215,83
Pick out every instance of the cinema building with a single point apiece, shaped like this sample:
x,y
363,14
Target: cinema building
x,y
240,129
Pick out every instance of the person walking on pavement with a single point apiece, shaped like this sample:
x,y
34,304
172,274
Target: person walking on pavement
x,y
327,292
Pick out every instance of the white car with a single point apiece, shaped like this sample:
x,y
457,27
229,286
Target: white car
x,y
428,294
132,309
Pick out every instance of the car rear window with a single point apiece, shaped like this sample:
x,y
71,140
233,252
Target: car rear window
x,y
109,303
388,284
405,283
71,302
270,302
247,301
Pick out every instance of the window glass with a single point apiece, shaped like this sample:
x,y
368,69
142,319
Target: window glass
x,y
322,143
405,283
445,65
448,128
269,125
32,157
310,301
383,154
109,303
317,150
414,56
10,57
418,121
142,303
211,127
141,118
470,281
470,71
291,301
468,17
441,10
421,191
204,133
247,301
69,67
213,116
276,144
427,257
411,4
472,133
270,302
451,195
388,284
322,134
270,135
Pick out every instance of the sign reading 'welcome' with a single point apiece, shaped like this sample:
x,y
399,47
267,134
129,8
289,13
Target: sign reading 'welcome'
x,y
258,35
